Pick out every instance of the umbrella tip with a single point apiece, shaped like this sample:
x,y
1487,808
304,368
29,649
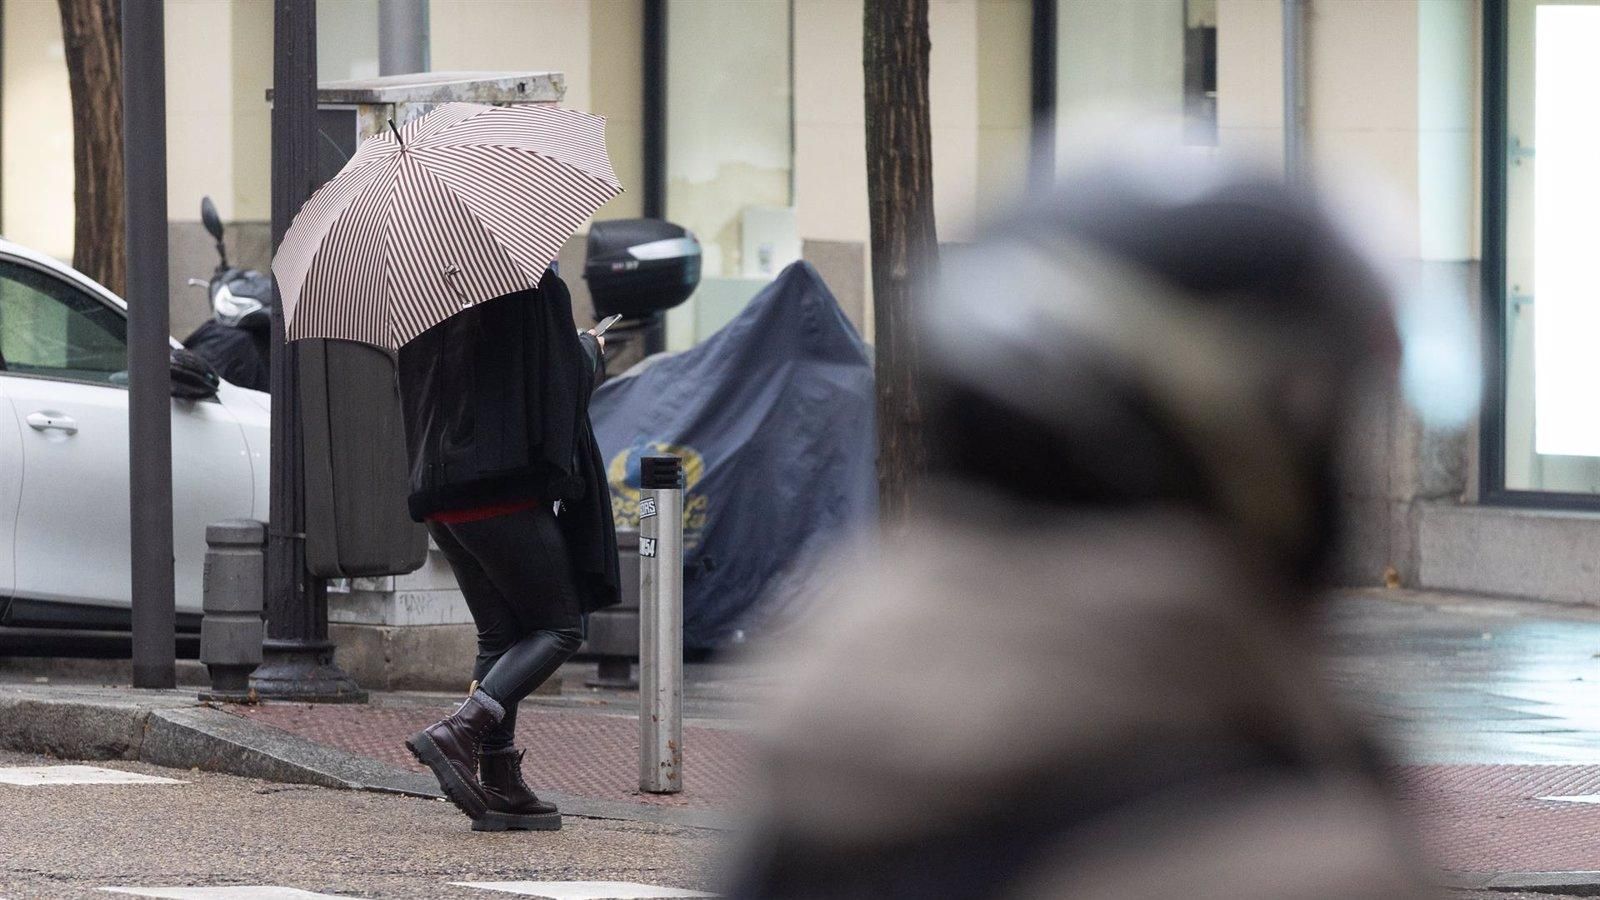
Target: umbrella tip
x,y
396,131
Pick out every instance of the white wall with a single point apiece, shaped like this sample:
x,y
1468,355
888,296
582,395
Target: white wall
x,y
219,65
1250,81
1005,112
1448,136
830,123
347,39
510,35
594,43
37,151
200,107
979,95
1361,111
615,82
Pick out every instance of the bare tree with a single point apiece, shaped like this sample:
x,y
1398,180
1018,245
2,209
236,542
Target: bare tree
x,y
92,32
905,245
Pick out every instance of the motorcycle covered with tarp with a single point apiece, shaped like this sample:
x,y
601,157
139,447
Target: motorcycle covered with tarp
x,y
773,419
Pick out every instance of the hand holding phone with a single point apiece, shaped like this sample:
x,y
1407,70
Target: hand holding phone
x,y
599,330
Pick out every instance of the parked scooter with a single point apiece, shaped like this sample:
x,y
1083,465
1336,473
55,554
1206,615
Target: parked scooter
x,y
237,339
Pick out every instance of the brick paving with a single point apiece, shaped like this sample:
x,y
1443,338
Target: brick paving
x,y
1487,818
1489,705
592,755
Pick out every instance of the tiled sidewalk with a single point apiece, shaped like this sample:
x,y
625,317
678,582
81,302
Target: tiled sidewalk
x,y
584,754
1492,818
1489,706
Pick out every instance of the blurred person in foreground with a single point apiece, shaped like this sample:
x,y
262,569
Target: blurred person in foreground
x,y
1087,666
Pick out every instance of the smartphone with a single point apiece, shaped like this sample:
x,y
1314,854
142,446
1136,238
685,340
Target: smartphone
x,y
606,323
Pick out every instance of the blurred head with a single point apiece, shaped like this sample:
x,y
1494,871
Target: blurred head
x,y
1189,338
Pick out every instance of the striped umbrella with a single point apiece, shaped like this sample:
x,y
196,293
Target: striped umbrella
x,y
462,205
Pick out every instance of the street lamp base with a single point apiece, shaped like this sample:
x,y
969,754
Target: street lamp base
x,y
303,671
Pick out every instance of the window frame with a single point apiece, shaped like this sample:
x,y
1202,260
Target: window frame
x,y
1492,490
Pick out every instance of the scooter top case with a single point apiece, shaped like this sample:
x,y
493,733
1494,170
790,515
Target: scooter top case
x,y
639,267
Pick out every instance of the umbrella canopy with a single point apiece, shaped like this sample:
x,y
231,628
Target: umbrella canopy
x,y
459,206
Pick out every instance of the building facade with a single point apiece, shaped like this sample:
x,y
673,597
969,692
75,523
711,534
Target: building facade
x,y
1417,116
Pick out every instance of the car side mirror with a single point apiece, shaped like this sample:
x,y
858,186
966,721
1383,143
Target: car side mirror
x,y
192,377
208,215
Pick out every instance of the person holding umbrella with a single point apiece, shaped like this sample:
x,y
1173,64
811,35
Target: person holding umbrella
x,y
436,240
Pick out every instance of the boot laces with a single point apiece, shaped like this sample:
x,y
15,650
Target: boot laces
x,y
517,772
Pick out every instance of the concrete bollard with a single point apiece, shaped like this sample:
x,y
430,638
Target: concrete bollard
x,y
235,587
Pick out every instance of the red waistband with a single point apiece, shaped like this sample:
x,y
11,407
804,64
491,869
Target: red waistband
x,y
473,514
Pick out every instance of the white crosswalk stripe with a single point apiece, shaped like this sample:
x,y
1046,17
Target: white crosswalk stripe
x,y
33,776
232,892
582,890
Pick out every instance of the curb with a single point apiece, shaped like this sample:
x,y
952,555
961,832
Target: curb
x,y
1571,884
172,729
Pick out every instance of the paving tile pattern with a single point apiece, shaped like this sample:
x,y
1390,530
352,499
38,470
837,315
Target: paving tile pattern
x,y
1486,818
582,754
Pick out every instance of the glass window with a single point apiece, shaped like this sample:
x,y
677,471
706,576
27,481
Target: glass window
x,y
50,328
1550,434
1124,63
730,151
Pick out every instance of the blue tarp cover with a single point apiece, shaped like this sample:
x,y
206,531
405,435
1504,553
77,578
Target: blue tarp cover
x,y
773,417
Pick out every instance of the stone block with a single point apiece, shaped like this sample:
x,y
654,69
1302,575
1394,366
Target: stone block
x,y
399,608
430,658
435,575
411,658
1369,443
1539,554
843,267
1365,540
71,730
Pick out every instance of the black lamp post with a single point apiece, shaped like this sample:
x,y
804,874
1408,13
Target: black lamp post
x,y
144,135
297,655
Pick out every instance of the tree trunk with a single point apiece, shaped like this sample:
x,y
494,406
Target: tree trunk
x,y
905,246
92,32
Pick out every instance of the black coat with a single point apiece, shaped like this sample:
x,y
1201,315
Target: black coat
x,y
496,406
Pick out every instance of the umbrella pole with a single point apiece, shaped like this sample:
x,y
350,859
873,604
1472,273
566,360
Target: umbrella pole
x,y
297,657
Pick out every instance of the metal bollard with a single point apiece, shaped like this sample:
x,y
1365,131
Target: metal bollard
x,y
661,625
235,586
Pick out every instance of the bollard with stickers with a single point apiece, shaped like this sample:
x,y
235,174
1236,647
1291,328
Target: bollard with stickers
x,y
661,625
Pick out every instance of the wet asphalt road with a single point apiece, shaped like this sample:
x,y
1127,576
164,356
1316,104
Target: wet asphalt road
x,y
62,841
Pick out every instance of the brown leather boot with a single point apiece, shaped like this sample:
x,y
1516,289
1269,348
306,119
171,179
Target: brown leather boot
x,y
512,804
450,748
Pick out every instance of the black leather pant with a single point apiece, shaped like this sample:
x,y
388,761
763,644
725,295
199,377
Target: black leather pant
x,y
519,585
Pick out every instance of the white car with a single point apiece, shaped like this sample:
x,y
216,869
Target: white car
x,y
64,455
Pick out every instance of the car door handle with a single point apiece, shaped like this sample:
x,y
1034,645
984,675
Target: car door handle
x,y
40,421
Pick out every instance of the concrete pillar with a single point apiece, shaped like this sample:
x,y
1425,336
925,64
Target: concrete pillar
x,y
402,36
